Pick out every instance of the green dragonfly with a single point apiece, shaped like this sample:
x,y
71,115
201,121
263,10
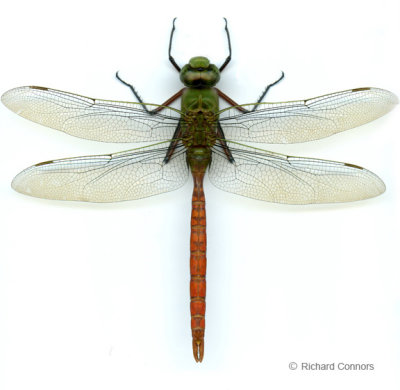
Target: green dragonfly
x,y
198,138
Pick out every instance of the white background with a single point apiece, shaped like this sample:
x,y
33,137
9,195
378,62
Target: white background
x,y
95,296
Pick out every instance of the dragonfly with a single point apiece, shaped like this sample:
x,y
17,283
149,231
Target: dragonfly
x,y
199,137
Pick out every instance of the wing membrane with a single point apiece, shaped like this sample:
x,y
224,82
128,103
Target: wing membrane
x,y
94,119
121,176
274,177
307,120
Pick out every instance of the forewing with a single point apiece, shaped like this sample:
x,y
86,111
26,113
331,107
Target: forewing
x,y
274,177
94,119
121,176
307,120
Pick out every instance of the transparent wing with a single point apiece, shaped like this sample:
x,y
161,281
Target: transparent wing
x,y
274,177
306,120
121,176
94,119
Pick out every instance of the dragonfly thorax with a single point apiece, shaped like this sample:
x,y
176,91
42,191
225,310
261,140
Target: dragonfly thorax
x,y
198,129
199,73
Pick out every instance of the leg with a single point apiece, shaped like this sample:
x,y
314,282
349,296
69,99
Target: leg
x,y
230,101
222,141
266,90
172,146
171,59
240,108
228,59
132,88
158,109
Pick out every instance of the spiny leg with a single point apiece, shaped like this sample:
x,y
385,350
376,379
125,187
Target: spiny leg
x,y
220,131
178,129
172,98
172,146
132,88
171,59
222,141
242,109
159,108
260,99
228,59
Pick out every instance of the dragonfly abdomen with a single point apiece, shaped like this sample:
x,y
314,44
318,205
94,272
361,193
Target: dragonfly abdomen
x,y
198,159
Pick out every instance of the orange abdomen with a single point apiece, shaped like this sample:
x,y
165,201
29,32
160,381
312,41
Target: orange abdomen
x,y
198,264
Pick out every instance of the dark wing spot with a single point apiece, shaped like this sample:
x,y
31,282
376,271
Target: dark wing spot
x,y
361,89
353,166
42,88
44,163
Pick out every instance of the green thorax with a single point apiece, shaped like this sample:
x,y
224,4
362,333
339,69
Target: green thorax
x,y
199,111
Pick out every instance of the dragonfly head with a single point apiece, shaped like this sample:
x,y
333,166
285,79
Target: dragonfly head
x,y
199,73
